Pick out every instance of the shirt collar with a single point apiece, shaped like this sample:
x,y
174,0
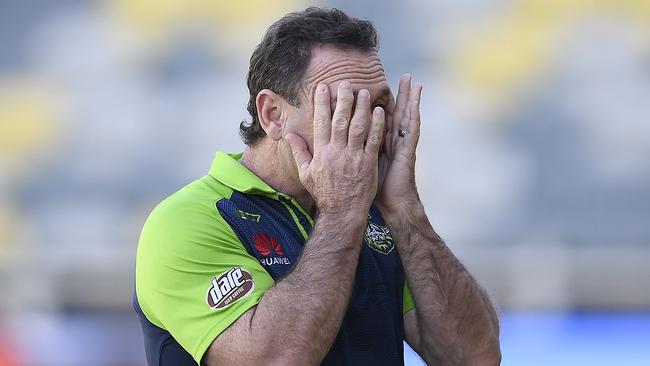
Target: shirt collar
x,y
227,169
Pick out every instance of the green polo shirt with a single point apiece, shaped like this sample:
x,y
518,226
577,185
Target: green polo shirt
x,y
194,277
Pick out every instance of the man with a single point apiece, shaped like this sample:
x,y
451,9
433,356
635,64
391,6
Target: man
x,y
301,250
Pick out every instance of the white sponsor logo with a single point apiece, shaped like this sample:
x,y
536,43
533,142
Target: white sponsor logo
x,y
274,260
229,287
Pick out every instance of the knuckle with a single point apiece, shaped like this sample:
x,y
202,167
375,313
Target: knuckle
x,y
357,129
319,121
340,121
345,99
373,139
362,108
322,103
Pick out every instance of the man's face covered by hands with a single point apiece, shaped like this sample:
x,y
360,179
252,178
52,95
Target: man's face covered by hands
x,y
331,65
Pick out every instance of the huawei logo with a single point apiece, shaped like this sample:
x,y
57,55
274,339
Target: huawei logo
x,y
265,243
270,249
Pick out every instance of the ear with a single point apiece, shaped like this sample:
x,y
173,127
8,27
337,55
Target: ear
x,y
270,107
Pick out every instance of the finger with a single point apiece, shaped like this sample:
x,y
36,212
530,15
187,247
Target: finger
x,y
360,121
322,113
416,93
390,112
414,96
390,133
300,152
403,94
413,134
388,138
341,117
376,132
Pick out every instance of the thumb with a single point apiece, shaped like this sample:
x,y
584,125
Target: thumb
x,y
300,152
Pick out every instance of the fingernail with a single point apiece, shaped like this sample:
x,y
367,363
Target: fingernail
x,y
363,94
321,88
345,84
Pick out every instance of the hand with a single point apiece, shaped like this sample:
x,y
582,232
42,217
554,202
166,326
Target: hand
x,y
342,174
397,159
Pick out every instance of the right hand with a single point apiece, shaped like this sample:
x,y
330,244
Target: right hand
x,y
342,174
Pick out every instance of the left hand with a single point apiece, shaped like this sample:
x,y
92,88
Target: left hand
x,y
397,158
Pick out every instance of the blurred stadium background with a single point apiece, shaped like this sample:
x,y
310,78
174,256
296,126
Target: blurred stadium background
x,y
534,162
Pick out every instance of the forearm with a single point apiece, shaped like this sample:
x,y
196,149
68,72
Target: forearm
x,y
457,324
314,296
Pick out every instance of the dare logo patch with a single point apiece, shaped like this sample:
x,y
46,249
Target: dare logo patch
x,y
229,287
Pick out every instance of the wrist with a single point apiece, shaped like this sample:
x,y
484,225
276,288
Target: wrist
x,y
354,220
409,219
351,212
403,208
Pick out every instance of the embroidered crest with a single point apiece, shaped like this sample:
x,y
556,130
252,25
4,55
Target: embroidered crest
x,y
378,238
248,216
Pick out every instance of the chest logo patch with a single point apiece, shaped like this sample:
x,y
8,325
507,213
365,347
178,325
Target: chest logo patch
x,y
269,247
378,238
249,216
229,287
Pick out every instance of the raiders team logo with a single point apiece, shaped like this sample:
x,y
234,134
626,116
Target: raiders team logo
x,y
378,238
228,287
